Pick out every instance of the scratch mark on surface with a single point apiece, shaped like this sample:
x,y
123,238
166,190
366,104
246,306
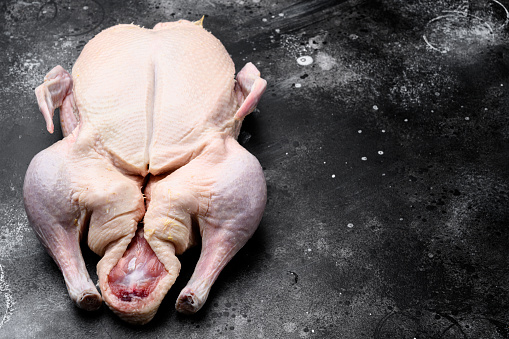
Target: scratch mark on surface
x,y
57,17
105,329
43,10
462,13
506,21
453,15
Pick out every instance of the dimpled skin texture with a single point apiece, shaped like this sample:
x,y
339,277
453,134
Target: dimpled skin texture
x,y
150,119
179,91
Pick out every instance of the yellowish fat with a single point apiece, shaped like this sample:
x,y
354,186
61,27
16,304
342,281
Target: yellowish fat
x,y
199,22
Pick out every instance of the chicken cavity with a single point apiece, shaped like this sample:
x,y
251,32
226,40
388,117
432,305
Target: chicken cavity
x,y
138,272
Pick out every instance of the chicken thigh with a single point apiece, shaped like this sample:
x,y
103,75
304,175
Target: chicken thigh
x,y
149,165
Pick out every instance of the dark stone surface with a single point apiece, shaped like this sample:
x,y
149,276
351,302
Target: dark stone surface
x,y
385,158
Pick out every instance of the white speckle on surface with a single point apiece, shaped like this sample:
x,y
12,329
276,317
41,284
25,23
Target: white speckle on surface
x,y
297,85
264,19
9,302
359,131
277,30
381,152
467,118
383,131
364,158
350,225
325,61
309,249
85,7
353,36
289,327
305,60
27,70
375,107
322,245
281,14
406,120
333,176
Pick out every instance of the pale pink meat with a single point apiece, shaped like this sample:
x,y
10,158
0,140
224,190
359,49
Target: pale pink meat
x,y
149,161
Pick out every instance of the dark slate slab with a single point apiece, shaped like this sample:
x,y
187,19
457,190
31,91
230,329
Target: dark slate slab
x,y
385,158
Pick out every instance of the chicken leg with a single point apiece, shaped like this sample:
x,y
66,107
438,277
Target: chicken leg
x,y
223,193
57,222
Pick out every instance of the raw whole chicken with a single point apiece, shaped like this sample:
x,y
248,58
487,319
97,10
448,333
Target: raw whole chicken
x,y
148,165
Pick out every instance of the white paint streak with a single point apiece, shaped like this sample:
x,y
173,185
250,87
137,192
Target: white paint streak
x,y
27,70
14,242
9,302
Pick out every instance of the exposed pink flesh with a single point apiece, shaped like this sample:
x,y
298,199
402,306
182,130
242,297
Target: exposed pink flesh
x,y
137,273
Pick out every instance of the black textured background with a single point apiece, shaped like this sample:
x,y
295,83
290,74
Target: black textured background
x,y
386,162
